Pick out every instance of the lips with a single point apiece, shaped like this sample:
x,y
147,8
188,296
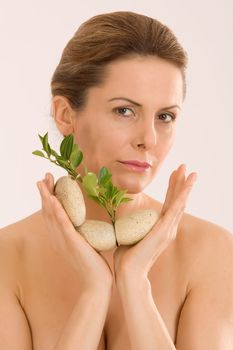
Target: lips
x,y
144,165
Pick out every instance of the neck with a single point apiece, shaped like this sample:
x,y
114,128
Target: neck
x,y
95,212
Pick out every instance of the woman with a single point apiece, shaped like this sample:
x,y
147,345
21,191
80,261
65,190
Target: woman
x,y
118,88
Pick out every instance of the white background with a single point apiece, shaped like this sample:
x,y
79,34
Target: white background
x,y
32,37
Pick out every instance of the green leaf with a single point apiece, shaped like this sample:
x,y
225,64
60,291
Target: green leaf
x,y
54,153
104,176
95,199
38,153
103,202
115,191
102,190
75,146
126,199
90,184
102,173
109,189
62,162
76,157
118,198
114,195
80,158
66,147
49,150
41,138
45,143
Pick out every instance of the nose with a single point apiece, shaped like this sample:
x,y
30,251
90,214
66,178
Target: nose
x,y
145,135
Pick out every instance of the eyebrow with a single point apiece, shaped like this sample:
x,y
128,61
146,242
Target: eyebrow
x,y
136,103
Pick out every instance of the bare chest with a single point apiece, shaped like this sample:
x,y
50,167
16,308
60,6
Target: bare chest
x,y
50,289
169,290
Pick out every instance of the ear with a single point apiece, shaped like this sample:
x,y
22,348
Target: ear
x,y
62,114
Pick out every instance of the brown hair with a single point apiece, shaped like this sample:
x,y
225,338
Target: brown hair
x,y
108,37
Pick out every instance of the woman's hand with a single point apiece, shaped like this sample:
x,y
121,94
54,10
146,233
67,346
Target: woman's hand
x,y
91,268
137,260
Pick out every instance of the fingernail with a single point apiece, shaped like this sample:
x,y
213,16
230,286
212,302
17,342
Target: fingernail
x,y
182,166
46,177
38,185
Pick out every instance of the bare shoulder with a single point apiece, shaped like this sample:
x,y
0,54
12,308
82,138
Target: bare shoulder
x,y
13,235
16,233
199,240
207,247
205,235
14,240
11,241
206,318
11,246
200,245
203,231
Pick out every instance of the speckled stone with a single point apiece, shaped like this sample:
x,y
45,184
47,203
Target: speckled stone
x,y
132,228
69,194
99,234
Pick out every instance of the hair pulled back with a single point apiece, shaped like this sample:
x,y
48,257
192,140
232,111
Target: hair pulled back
x,y
107,37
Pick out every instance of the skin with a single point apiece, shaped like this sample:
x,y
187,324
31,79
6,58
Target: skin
x,y
194,271
109,131
131,264
138,258
124,131
107,135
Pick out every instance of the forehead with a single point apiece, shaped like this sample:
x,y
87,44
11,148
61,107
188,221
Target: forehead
x,y
143,78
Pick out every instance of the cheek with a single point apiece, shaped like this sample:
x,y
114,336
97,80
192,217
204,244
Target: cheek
x,y
98,147
86,136
165,142
114,141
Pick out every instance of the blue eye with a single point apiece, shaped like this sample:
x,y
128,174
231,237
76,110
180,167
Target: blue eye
x,y
170,115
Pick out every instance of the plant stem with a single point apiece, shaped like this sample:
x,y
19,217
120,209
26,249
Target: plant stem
x,y
107,204
112,213
72,172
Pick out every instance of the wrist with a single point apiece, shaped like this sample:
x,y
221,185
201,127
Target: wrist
x,y
102,288
98,284
97,296
132,281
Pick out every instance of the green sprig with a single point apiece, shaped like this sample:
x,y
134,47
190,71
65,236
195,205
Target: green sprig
x,y
99,188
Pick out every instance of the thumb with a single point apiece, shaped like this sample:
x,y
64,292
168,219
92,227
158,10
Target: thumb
x,y
50,182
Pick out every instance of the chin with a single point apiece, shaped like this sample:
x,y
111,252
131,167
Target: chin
x,y
133,186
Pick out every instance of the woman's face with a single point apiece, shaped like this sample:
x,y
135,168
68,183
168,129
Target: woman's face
x,y
130,118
